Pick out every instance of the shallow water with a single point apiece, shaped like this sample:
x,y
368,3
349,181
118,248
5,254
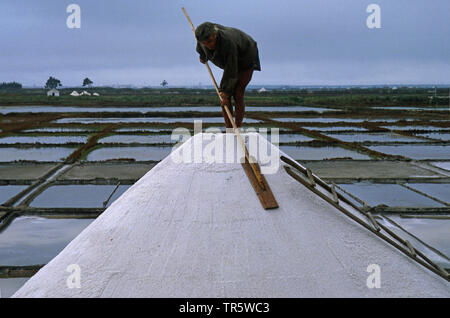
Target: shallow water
x,y
43,139
143,129
292,138
287,109
416,151
332,120
10,285
442,165
147,120
411,108
8,191
336,128
388,120
441,136
440,191
32,240
82,196
169,130
147,139
69,109
388,194
138,153
60,129
412,127
378,137
319,119
432,232
39,154
320,153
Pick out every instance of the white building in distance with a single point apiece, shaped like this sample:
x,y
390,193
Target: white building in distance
x,y
262,90
53,92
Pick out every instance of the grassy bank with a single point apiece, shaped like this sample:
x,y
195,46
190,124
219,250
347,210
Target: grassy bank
x,y
195,97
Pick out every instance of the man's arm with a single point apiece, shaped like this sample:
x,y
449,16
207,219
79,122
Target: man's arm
x,y
200,51
230,72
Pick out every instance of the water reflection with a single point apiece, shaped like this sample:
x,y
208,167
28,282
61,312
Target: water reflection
x,y
32,240
320,153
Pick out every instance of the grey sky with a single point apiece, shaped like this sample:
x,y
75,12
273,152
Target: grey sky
x,y
142,42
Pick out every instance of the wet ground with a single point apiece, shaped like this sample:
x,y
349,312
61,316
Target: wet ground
x,y
60,167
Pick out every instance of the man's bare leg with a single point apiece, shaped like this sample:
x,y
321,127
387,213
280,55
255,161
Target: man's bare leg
x,y
243,80
228,124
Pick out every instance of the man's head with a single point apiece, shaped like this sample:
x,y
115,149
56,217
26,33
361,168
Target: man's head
x,y
206,33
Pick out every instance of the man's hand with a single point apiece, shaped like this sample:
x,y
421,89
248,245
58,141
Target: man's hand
x,y
202,61
224,99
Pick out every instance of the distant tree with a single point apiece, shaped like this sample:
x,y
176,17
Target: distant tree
x,y
52,83
164,83
10,86
87,82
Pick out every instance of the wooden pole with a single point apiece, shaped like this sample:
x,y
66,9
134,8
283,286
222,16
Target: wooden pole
x,y
230,117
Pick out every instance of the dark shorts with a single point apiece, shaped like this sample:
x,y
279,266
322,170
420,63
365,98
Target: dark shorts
x,y
256,63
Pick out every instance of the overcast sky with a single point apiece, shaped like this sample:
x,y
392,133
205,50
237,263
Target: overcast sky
x,y
301,42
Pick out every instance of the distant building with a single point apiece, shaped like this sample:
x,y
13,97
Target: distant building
x,y
74,93
53,92
85,93
96,94
262,90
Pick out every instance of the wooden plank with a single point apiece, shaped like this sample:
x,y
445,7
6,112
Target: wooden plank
x,y
263,192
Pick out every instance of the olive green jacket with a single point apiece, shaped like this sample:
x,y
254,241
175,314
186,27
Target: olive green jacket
x,y
235,52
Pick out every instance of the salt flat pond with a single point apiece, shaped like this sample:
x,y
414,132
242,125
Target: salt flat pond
x,y
8,191
377,137
389,194
440,136
8,154
43,139
320,153
149,153
442,165
412,108
416,151
413,127
429,236
144,139
146,120
437,190
60,130
69,109
319,120
333,119
33,240
82,196
336,128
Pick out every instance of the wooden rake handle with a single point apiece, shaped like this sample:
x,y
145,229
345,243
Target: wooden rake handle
x,y
230,117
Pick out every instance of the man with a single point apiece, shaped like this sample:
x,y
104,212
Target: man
x,y
237,54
